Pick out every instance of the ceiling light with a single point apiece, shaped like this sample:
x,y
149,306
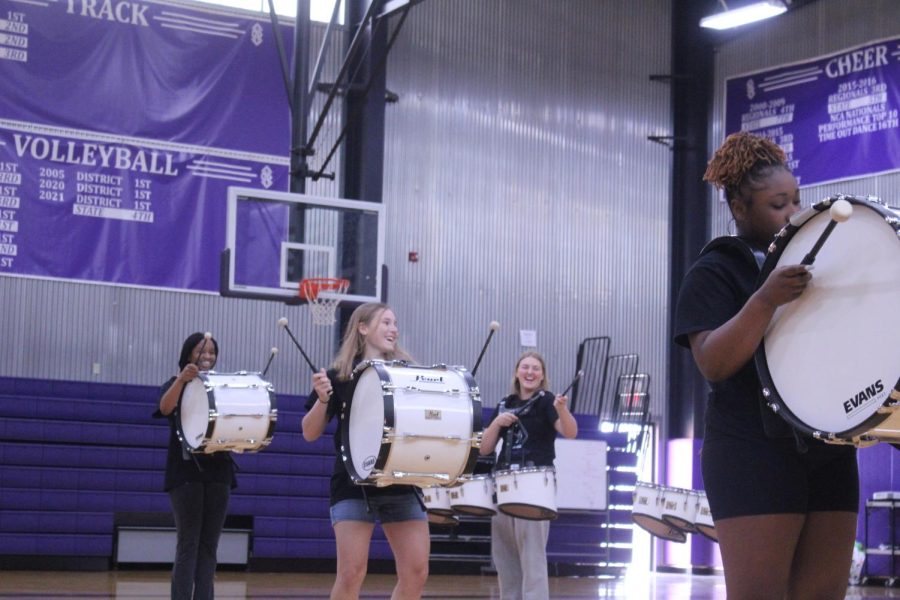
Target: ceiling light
x,y
743,15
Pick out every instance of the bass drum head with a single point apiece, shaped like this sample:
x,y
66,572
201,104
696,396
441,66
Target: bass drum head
x,y
365,424
831,357
194,412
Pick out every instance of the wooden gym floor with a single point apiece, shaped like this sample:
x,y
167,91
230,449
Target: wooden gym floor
x,y
150,585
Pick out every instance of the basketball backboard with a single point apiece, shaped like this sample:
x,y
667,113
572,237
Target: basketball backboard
x,y
276,239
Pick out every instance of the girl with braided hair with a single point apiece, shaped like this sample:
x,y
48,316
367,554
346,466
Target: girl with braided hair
x,y
784,505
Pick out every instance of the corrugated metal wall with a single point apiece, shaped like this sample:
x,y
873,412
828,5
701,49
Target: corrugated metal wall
x,y
518,168
823,27
517,165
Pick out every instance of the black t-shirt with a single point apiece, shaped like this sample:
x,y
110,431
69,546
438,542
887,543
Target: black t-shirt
x,y
342,486
531,440
714,290
183,467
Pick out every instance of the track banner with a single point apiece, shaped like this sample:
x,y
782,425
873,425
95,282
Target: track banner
x,y
122,124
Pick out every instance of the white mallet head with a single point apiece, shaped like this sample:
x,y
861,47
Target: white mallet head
x,y
207,335
494,326
282,322
841,210
274,350
579,374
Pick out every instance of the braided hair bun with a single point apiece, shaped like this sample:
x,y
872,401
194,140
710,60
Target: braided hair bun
x,y
743,158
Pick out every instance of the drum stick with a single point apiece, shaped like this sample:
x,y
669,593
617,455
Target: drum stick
x,y
840,211
494,327
271,356
574,381
206,337
283,322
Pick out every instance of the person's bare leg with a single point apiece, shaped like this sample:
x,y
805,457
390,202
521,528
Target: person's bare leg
x,y
411,544
352,539
757,552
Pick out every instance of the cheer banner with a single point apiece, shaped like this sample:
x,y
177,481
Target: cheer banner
x,y
122,124
835,116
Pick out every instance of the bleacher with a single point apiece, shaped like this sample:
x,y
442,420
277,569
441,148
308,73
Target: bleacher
x,y
76,458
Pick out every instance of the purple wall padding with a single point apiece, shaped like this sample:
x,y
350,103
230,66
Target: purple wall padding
x,y
74,455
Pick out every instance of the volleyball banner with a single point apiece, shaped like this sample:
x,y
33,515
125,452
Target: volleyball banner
x,y
835,116
122,124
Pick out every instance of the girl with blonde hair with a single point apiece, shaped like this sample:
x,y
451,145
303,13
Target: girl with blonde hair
x,y
371,334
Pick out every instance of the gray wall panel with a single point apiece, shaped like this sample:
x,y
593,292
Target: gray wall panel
x,y
518,168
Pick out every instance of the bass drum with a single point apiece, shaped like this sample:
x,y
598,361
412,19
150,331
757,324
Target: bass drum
x,y
830,360
226,411
411,424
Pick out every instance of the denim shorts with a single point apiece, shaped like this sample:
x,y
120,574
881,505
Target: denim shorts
x,y
386,508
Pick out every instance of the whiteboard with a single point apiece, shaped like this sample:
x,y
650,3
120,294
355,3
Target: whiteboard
x,y
581,482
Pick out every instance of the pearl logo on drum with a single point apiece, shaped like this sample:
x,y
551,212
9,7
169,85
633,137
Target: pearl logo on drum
x,y
863,396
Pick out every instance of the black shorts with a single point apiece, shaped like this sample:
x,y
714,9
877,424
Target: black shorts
x,y
769,476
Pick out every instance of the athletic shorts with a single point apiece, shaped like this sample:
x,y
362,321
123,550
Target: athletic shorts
x,y
386,508
770,476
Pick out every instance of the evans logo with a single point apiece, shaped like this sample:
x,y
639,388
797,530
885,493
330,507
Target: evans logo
x,y
369,462
429,379
854,403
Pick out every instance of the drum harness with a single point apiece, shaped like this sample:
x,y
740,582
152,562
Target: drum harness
x,y
518,412
758,257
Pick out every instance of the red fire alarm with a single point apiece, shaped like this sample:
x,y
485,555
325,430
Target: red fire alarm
x,y
413,256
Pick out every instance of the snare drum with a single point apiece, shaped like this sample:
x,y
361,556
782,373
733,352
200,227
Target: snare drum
x,y
703,521
474,496
680,507
411,424
528,493
647,512
830,359
437,506
226,411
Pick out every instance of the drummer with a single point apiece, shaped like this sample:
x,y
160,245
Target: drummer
x,y
371,333
199,485
527,421
784,506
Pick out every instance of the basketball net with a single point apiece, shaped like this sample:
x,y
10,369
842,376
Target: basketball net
x,y
323,294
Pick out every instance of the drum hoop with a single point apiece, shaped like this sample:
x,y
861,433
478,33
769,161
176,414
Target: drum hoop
x,y
203,379
525,470
385,446
767,384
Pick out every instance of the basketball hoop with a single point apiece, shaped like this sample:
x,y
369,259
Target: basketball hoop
x,y
323,294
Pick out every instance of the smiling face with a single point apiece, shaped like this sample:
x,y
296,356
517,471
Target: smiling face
x,y
530,376
771,205
205,359
380,334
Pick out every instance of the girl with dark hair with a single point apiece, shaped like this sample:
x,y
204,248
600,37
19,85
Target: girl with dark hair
x,y
371,333
199,485
527,420
784,505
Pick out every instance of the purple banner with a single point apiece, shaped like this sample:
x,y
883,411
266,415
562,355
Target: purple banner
x,y
80,205
836,116
122,124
